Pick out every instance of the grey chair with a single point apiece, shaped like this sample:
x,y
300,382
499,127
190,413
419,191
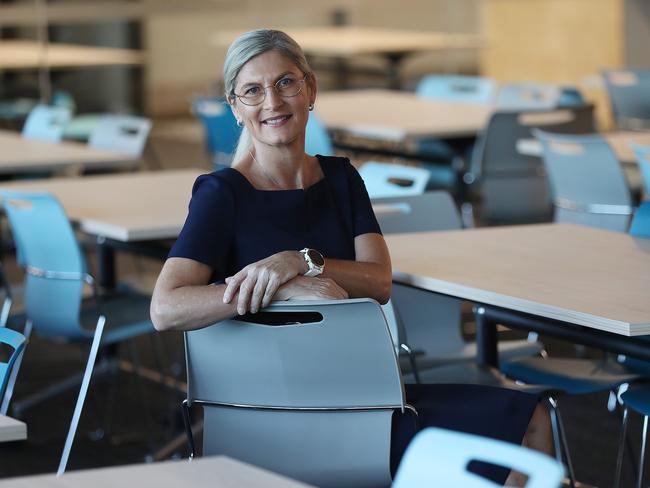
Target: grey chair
x,y
629,95
513,186
432,322
587,182
528,96
306,389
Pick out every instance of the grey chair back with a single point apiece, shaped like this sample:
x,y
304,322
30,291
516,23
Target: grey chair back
x,y
587,181
514,187
306,389
629,95
429,211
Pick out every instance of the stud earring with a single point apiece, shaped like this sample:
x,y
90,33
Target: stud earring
x,y
311,107
240,123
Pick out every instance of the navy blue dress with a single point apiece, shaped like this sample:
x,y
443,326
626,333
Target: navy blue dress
x,y
232,224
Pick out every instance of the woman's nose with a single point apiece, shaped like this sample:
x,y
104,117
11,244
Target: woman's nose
x,y
272,99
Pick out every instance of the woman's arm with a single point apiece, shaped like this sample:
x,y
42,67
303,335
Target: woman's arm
x,y
183,299
370,276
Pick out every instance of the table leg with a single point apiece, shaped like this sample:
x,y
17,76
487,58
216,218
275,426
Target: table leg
x,y
394,61
486,339
106,264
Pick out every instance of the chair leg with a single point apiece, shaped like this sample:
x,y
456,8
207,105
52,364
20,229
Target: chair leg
x,y
9,391
99,329
564,443
639,481
621,449
141,391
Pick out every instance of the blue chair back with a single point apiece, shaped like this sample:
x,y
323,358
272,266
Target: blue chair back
x,y
46,123
317,139
629,95
393,180
570,96
455,88
55,264
640,226
438,457
643,160
325,382
528,96
121,133
16,341
219,126
586,180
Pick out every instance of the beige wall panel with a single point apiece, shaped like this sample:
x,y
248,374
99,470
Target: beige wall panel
x,y
181,60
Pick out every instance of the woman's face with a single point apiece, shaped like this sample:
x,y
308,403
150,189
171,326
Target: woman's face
x,y
277,120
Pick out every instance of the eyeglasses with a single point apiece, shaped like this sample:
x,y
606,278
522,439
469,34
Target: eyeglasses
x,y
286,87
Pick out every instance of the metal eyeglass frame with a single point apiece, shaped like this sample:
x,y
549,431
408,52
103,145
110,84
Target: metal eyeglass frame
x,y
300,84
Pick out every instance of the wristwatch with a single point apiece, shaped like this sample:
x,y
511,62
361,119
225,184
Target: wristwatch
x,y
315,261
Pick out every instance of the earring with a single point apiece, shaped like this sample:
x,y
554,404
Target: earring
x,y
240,123
311,107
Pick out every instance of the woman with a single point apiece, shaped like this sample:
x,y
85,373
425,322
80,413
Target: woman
x,y
281,224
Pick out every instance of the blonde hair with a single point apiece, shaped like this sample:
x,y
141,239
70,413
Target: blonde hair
x,y
245,48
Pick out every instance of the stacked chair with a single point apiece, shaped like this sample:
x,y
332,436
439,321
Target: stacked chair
x,y
513,186
55,276
587,182
629,95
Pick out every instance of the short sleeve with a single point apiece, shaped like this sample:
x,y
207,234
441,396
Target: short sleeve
x,y
363,216
208,231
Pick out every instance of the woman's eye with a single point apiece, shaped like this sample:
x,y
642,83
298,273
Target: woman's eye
x,y
285,82
252,91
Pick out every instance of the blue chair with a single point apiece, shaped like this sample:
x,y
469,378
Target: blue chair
x,y
440,458
528,96
640,226
317,139
121,133
391,180
629,95
46,123
450,88
9,369
219,126
456,88
587,182
312,398
55,275
643,160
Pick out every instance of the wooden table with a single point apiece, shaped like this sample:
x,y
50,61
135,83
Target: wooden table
x,y
586,285
22,156
11,429
124,207
388,114
121,210
210,472
349,41
21,54
620,142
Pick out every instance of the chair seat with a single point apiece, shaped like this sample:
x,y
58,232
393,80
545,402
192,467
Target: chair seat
x,y
638,398
473,374
127,317
507,350
573,376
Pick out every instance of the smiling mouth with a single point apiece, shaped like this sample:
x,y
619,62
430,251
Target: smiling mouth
x,y
276,121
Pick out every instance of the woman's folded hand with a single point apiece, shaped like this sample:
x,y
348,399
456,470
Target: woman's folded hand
x,y
310,288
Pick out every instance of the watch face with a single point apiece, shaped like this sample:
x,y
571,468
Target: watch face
x,y
316,257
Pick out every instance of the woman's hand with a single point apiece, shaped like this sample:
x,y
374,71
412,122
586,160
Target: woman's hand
x,y
258,282
310,288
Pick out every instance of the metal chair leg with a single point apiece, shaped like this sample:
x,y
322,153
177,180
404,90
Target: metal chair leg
x,y
9,391
621,449
565,444
99,329
639,481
